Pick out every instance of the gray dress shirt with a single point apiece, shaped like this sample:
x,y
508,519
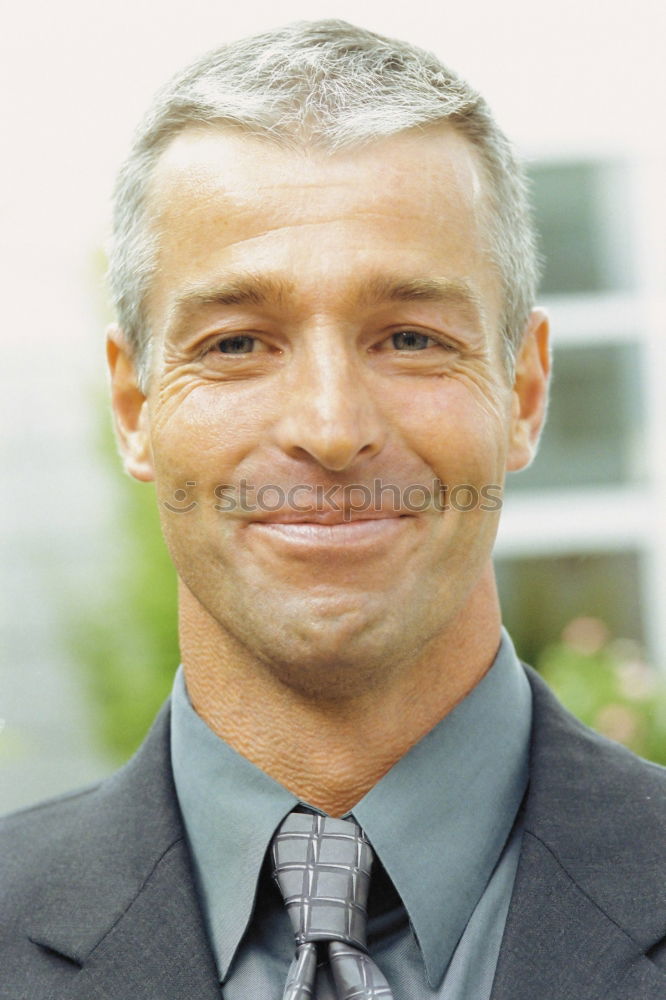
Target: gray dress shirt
x,y
442,823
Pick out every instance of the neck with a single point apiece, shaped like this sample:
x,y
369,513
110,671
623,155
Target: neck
x,y
329,752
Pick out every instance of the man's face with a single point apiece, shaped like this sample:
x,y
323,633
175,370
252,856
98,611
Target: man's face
x,y
326,322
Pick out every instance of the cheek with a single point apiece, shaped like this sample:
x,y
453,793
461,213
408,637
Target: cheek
x,y
458,425
202,431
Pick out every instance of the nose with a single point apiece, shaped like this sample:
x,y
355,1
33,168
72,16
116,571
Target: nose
x,y
329,413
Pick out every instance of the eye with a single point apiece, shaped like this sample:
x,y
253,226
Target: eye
x,y
242,343
411,340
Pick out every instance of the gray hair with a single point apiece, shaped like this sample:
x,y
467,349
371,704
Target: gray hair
x,y
335,86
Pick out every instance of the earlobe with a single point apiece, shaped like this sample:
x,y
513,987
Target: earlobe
x,y
130,408
530,391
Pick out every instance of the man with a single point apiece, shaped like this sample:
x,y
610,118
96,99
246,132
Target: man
x,y
327,358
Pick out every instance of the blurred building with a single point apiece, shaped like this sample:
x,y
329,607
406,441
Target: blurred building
x,y
584,528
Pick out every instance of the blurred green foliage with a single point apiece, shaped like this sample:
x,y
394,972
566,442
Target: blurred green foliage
x,y
608,685
125,636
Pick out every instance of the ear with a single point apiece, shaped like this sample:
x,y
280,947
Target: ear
x,y
530,391
130,408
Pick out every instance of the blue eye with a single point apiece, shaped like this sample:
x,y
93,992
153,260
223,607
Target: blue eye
x,y
242,344
410,340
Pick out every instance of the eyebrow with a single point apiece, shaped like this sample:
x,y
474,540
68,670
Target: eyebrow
x,y
446,291
247,289
258,290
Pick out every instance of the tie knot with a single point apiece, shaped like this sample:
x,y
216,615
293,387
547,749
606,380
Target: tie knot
x,y
322,867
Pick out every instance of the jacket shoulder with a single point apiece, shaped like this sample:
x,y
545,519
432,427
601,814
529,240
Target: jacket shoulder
x,y
600,812
583,762
35,840
103,839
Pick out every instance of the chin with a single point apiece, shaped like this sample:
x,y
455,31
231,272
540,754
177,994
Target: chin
x,y
332,656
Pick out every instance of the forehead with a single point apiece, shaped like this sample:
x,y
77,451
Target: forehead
x,y
206,162
413,203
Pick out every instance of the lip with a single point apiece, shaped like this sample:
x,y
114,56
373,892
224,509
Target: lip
x,y
330,516
365,531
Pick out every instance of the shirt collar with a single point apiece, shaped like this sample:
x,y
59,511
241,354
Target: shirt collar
x,y
438,820
231,809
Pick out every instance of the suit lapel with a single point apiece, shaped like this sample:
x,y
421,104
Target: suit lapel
x,y
158,949
589,898
558,945
122,905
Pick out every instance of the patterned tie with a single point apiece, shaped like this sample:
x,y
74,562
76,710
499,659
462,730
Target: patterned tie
x,y
322,867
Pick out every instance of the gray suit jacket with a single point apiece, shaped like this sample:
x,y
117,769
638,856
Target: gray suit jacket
x,y
97,900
